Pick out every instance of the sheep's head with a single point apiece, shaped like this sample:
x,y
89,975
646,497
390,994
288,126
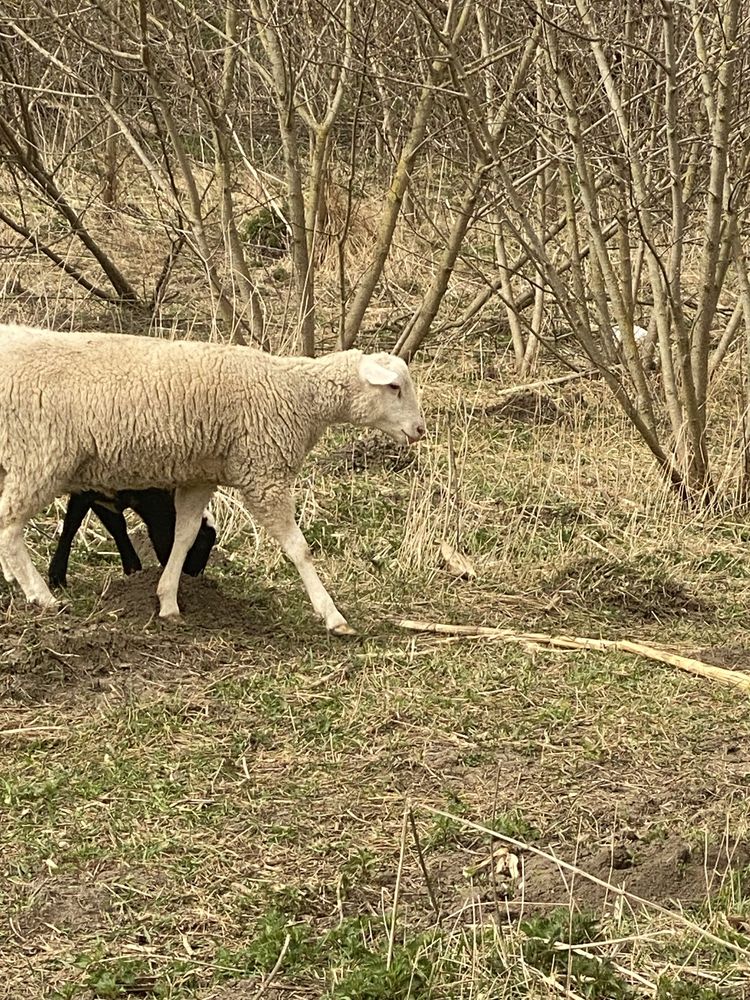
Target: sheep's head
x,y
388,400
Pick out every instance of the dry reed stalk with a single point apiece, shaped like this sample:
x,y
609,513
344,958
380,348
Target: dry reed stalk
x,y
397,889
32,730
545,382
686,663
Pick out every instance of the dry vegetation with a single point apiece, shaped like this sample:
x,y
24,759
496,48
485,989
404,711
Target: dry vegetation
x,y
241,807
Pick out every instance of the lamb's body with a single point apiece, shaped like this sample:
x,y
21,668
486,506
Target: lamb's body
x,y
111,412
154,506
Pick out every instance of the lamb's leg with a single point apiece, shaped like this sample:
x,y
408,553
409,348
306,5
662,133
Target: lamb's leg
x,y
200,550
280,523
15,556
189,504
116,525
78,507
157,511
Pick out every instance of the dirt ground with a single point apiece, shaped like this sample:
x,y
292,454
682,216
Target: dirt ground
x,y
122,650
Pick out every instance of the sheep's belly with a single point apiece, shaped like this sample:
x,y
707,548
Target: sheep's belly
x,y
136,473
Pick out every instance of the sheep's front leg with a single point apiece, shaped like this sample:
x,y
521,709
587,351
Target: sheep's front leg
x,y
280,523
189,503
4,567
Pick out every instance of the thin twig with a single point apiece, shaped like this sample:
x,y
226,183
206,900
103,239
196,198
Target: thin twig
x,y
272,974
423,866
397,889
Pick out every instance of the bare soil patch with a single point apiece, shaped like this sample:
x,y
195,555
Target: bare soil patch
x,y
65,905
370,452
529,407
671,871
204,602
63,656
730,657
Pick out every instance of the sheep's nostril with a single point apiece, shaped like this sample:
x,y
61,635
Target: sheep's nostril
x,y
420,429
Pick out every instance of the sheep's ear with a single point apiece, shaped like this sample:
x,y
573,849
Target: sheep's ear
x,y
376,374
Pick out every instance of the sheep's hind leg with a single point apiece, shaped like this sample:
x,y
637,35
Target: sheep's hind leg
x,y
15,557
4,568
281,524
114,522
189,504
7,575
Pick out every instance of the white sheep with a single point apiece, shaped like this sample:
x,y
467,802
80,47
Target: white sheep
x,y
639,334
107,412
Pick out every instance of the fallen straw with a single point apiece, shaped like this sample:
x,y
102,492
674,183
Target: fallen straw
x,y
687,663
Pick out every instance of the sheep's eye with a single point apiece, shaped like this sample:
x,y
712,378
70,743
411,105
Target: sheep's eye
x,y
395,387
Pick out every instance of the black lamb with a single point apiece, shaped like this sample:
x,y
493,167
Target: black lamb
x,y
155,508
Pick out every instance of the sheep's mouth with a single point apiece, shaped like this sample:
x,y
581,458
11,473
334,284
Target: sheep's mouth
x,y
402,437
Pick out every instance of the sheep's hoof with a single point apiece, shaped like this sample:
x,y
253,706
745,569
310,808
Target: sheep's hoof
x,y
45,603
170,615
343,629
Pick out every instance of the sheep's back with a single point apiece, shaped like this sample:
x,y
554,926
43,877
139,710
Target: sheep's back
x,y
111,411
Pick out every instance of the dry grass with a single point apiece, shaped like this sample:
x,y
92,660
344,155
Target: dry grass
x,y
217,810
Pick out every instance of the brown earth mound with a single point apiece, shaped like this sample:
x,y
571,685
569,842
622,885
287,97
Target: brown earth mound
x,y
201,599
668,871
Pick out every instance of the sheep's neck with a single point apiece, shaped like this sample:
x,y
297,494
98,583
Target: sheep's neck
x,y
330,401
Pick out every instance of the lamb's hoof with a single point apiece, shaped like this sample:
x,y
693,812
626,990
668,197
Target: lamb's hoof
x,y
343,629
170,615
